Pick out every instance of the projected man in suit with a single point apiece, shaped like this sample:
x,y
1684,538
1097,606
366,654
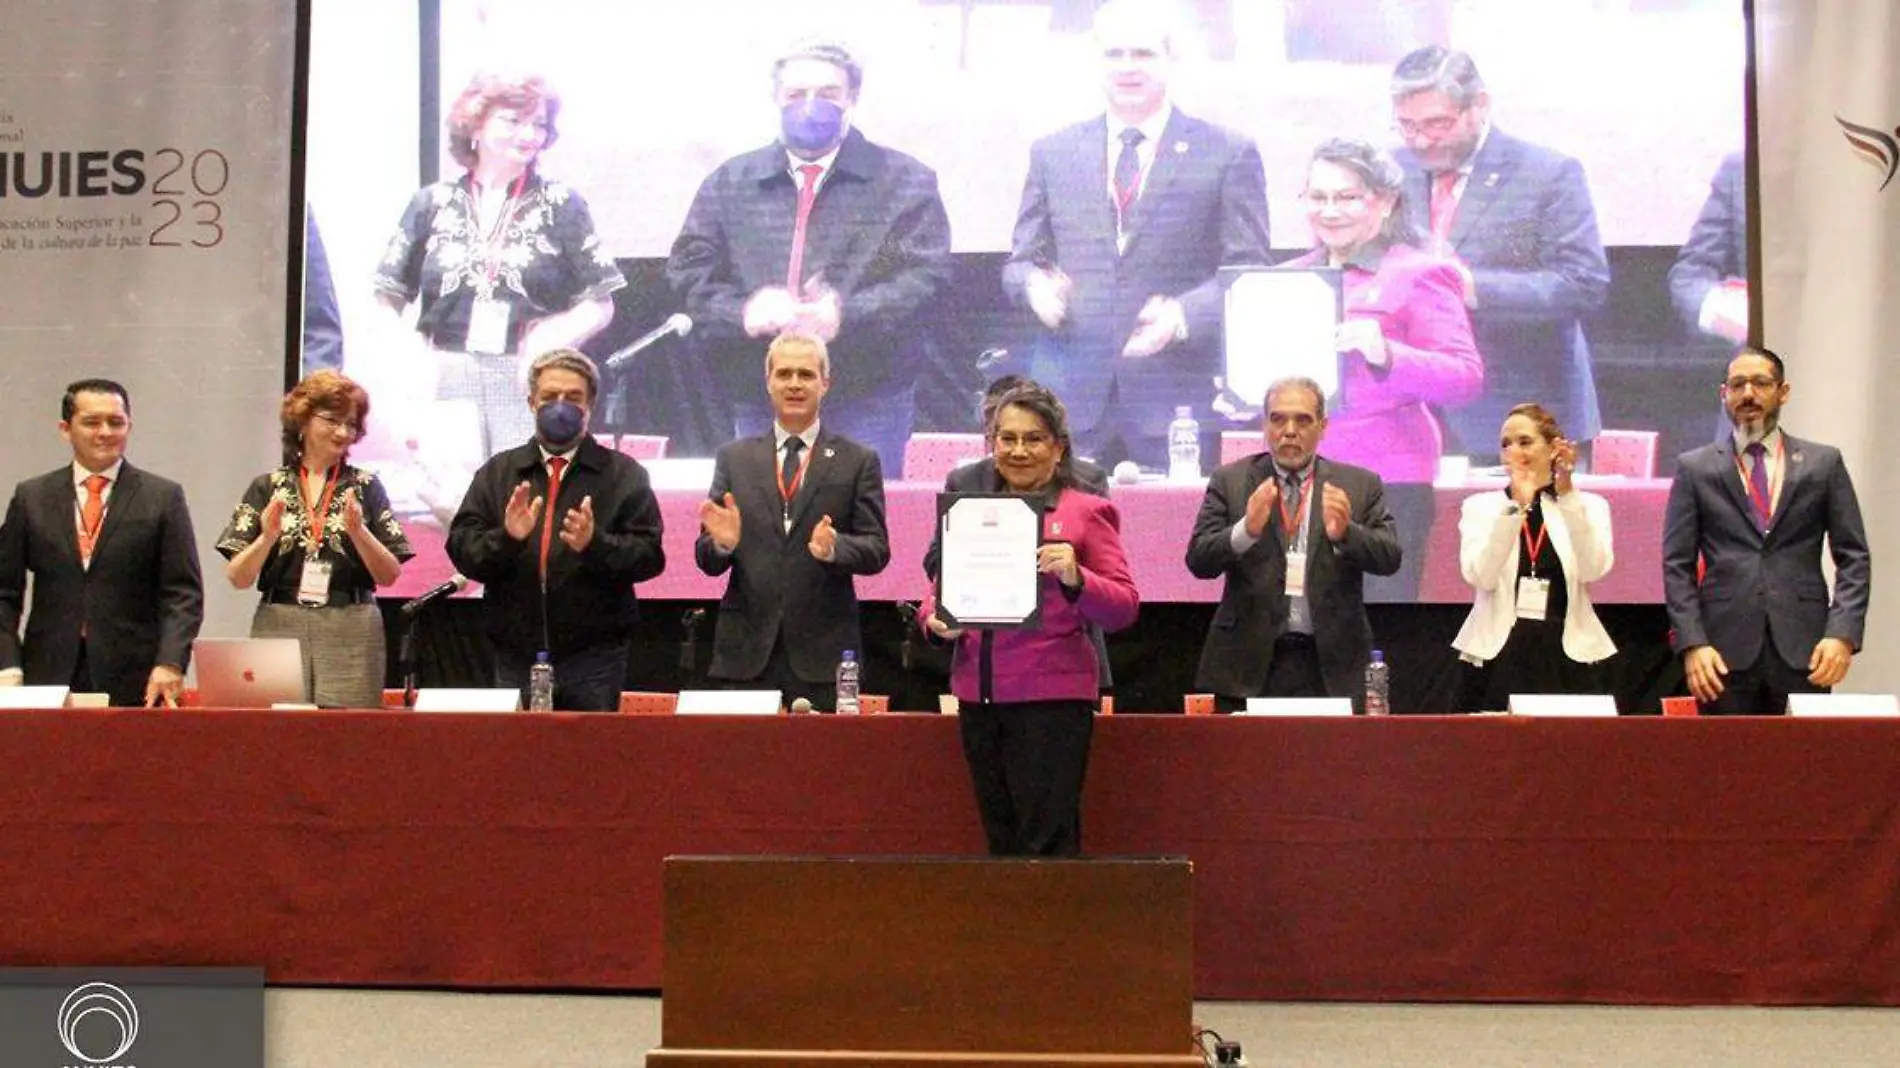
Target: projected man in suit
x,y
794,514
117,595
1125,220
1293,535
1519,220
825,233
1709,282
1754,508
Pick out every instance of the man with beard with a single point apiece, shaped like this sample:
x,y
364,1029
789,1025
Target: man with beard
x,y
558,530
1754,509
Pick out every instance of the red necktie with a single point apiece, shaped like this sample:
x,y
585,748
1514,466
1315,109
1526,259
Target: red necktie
x,y
1758,485
92,515
555,466
1444,203
807,192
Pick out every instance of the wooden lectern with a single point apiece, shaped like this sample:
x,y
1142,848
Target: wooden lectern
x,y
801,962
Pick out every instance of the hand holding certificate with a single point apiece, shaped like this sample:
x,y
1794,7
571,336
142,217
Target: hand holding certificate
x,y
991,571
1279,323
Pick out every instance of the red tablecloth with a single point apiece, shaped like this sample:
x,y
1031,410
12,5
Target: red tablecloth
x,y
1157,519
1635,860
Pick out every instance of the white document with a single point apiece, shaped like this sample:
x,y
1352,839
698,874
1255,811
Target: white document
x,y
456,699
728,702
1281,323
1298,706
1562,704
24,697
1843,704
988,545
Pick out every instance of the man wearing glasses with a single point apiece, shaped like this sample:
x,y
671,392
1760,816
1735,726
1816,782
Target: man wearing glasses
x,y
1753,508
1519,221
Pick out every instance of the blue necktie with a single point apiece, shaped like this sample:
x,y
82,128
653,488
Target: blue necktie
x,y
1127,175
1758,481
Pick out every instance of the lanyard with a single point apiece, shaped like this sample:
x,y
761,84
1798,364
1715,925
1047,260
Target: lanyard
x,y
786,493
1306,510
1537,547
1775,471
323,508
501,219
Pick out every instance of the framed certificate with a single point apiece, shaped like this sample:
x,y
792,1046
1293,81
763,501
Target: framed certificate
x,y
1280,322
988,576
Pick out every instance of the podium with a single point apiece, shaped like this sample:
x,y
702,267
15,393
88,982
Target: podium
x,y
803,962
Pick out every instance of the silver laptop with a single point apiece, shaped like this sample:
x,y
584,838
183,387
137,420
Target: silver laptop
x,y
249,672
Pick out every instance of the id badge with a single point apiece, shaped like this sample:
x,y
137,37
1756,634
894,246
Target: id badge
x,y
313,588
488,327
1296,574
1533,598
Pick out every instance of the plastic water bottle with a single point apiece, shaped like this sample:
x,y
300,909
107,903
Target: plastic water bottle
x,y
848,684
1378,686
541,684
1184,447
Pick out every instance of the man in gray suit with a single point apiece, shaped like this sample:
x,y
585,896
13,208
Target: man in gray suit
x,y
1519,220
1125,221
1753,509
1294,535
793,514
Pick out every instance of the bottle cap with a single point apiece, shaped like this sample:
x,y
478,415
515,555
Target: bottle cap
x,y
541,657
849,654
1378,657
1183,411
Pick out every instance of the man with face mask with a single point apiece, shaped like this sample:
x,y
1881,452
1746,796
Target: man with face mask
x,y
825,233
558,530
1294,535
1754,509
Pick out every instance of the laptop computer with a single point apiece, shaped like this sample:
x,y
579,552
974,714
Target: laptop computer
x,y
249,672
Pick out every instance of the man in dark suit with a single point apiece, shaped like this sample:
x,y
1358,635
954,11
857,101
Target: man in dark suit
x,y
1754,508
825,233
558,530
117,595
794,514
1125,221
1294,535
1519,220
1709,282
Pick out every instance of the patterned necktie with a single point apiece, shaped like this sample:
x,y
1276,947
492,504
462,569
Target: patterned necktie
x,y
556,465
1758,481
1291,491
807,192
1444,203
92,515
1127,175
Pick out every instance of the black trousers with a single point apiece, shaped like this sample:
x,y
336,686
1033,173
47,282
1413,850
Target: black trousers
x,y
1293,672
778,675
1761,688
1027,761
589,680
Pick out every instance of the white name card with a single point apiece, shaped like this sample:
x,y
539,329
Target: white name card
x,y
460,699
1843,704
24,697
1562,704
729,703
1298,706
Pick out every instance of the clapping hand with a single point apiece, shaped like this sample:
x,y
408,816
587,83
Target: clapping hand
x,y
720,520
519,515
1337,512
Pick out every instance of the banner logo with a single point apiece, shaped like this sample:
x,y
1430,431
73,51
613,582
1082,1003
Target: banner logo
x,y
91,999
1875,146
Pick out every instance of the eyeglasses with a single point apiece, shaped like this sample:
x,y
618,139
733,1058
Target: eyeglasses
x,y
331,421
1438,126
1354,201
1760,384
1034,441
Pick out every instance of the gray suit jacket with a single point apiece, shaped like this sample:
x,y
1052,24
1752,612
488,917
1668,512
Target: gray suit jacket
x,y
777,586
1758,582
1253,604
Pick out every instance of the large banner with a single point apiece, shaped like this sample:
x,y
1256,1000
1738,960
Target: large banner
x,y
1830,150
144,219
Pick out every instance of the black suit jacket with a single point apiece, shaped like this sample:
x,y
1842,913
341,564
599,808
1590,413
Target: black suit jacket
x,y
1717,248
1527,228
1202,207
589,601
778,588
141,602
1253,605
1769,582
878,233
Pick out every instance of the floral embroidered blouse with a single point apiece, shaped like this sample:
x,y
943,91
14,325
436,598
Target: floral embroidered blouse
x,y
283,566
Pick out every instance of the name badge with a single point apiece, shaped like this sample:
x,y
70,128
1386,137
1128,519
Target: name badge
x,y
313,588
1533,598
1296,574
488,327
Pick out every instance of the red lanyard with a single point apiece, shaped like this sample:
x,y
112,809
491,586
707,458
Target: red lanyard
x,y
1537,547
500,223
1306,509
786,493
323,509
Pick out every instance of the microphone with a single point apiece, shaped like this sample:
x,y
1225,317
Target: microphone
x,y
907,615
801,706
690,624
678,323
455,584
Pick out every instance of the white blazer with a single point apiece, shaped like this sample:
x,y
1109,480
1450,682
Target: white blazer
x,y
1489,542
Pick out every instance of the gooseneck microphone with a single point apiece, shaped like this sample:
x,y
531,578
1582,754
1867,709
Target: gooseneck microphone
x,y
455,584
678,323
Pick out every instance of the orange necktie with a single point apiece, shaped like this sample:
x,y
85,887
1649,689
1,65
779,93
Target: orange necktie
x,y
1444,203
556,465
92,515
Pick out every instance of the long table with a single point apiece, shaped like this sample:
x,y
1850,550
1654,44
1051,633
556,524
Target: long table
x,y
1157,519
1655,861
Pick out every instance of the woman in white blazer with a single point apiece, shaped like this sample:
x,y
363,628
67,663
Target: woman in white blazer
x,y
1530,554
